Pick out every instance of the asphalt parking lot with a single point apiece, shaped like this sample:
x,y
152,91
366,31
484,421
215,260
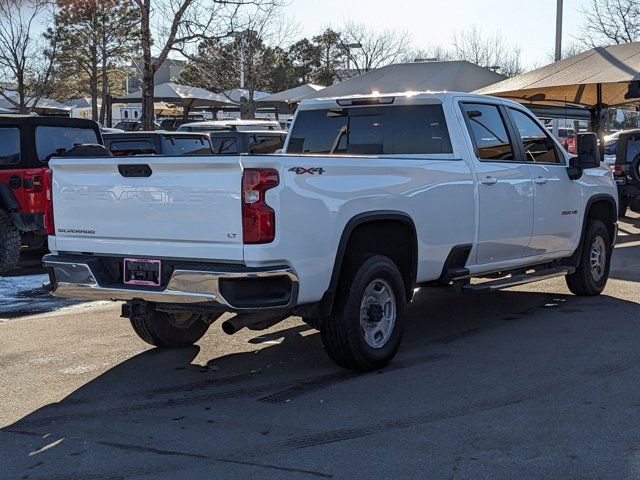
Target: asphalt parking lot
x,y
531,382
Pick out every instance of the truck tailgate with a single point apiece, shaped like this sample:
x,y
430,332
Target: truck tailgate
x,y
188,207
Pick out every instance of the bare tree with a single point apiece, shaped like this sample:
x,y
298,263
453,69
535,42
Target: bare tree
x,y
366,49
25,62
249,59
490,52
568,51
177,25
611,21
434,53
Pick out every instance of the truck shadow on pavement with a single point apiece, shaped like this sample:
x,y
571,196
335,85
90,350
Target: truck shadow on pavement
x,y
464,361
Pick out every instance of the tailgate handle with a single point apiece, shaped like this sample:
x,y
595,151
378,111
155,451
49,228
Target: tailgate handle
x,y
135,170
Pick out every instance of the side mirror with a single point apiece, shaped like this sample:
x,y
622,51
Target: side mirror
x,y
588,151
588,155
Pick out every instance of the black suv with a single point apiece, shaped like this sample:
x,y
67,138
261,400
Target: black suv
x,y
626,171
157,143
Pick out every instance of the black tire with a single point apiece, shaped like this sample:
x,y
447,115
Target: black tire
x,y
589,280
9,243
170,330
342,334
634,169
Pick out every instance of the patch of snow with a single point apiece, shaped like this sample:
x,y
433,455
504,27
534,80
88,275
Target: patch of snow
x,y
24,295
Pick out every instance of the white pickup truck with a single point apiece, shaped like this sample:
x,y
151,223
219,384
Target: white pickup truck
x,y
375,196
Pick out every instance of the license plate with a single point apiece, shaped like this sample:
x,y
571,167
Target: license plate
x,y
142,271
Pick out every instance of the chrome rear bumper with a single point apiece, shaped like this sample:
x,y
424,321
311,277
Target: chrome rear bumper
x,y
75,278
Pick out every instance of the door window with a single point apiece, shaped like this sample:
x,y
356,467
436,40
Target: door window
x,y
9,146
488,131
538,145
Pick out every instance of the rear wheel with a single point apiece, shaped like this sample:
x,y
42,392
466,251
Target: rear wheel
x,y
592,273
170,330
365,330
9,243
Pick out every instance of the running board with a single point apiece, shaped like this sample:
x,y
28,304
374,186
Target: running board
x,y
491,286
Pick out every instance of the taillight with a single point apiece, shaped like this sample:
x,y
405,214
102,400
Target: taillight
x,y
258,218
48,211
33,182
619,170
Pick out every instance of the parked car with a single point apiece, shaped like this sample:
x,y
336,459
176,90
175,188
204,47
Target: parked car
x,y
376,196
231,124
567,137
157,143
26,145
172,124
258,142
128,126
626,168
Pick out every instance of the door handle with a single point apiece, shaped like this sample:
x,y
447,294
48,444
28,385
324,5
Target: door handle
x,y
489,181
541,180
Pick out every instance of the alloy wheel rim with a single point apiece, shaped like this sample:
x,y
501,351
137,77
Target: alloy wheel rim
x,y
598,258
377,313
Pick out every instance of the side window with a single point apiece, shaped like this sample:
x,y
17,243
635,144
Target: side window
x,y
9,146
487,129
224,145
538,145
52,140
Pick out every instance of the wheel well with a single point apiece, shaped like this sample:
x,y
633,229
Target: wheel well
x,y
393,238
605,211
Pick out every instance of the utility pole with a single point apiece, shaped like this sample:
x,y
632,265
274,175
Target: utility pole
x,y
558,55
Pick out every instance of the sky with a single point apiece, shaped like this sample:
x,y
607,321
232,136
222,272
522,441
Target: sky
x,y
529,24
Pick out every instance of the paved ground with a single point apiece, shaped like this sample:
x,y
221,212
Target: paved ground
x,y
527,383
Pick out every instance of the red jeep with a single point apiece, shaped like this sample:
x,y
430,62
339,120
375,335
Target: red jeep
x,y
26,144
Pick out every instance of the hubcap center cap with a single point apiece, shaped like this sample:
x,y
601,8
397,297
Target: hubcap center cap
x,y
375,313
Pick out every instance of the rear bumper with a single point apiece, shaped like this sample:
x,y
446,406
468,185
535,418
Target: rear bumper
x,y
228,288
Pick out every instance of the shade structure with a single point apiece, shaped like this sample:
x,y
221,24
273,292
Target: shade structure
x,y
181,95
458,76
236,94
578,79
43,106
287,99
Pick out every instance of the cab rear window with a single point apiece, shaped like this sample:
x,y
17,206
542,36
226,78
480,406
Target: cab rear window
x,y
374,130
54,140
9,146
186,146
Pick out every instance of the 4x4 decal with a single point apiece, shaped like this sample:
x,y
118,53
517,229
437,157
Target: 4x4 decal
x,y
310,170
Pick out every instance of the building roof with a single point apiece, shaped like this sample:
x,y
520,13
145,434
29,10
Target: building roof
x,y
458,76
574,80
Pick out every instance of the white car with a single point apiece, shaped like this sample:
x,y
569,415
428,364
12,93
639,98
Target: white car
x,y
376,196
230,124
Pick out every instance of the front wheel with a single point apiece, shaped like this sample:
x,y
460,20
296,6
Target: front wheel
x,y
365,330
170,330
592,273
